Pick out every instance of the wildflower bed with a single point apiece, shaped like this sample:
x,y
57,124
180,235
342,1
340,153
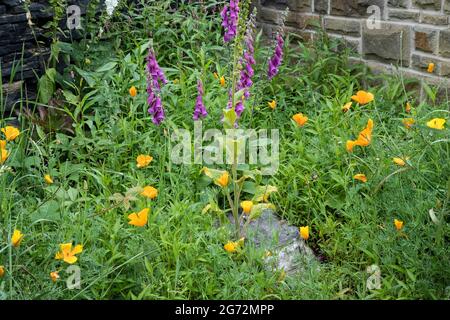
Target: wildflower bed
x,y
364,168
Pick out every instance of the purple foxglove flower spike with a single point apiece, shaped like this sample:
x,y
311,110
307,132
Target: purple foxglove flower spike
x,y
229,16
277,58
155,76
200,110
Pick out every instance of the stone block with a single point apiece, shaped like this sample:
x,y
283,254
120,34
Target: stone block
x,y
391,43
425,39
444,43
421,63
350,27
398,3
321,6
435,19
404,15
355,8
427,4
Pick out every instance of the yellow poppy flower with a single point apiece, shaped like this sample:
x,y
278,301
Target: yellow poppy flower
x,y
430,67
2,271
268,253
216,76
231,246
54,276
364,137
143,160
247,206
2,144
361,177
399,161
149,192
436,123
272,104
133,91
48,179
176,81
67,254
300,119
408,122
408,107
222,81
304,232
347,106
10,132
223,179
4,154
139,219
16,238
398,224
363,97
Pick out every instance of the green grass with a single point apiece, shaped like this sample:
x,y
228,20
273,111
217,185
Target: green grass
x,y
180,254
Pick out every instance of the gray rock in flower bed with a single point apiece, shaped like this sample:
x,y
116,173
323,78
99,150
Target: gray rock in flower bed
x,y
288,250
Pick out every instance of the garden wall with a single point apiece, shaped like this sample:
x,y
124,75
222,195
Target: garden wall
x,y
411,33
23,47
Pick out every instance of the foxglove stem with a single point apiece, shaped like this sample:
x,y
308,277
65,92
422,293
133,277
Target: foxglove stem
x,y
155,78
200,110
230,15
277,58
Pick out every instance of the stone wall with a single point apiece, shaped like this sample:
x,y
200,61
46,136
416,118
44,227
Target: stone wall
x,y
24,48
411,33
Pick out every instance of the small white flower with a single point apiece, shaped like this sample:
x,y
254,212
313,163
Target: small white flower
x,y
111,5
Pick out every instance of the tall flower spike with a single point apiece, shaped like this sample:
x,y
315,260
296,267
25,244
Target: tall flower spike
x,y
200,110
155,78
277,58
230,14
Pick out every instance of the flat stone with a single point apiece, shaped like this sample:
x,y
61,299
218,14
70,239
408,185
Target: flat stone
x,y
13,18
321,6
355,8
435,19
447,6
444,43
425,39
427,4
2,9
398,3
299,5
343,26
404,15
444,69
391,43
282,240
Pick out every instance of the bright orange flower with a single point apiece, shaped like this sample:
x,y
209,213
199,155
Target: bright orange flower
x,y
300,119
304,232
408,122
408,107
223,179
247,206
398,224
2,271
2,144
67,254
399,161
139,219
230,246
133,91
222,81
272,104
48,179
361,177
436,123
364,137
363,97
149,192
347,107
54,276
430,67
17,238
143,160
4,154
10,132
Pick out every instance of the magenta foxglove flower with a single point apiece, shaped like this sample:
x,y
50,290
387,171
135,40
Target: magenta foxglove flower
x,y
200,110
277,58
155,78
229,16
